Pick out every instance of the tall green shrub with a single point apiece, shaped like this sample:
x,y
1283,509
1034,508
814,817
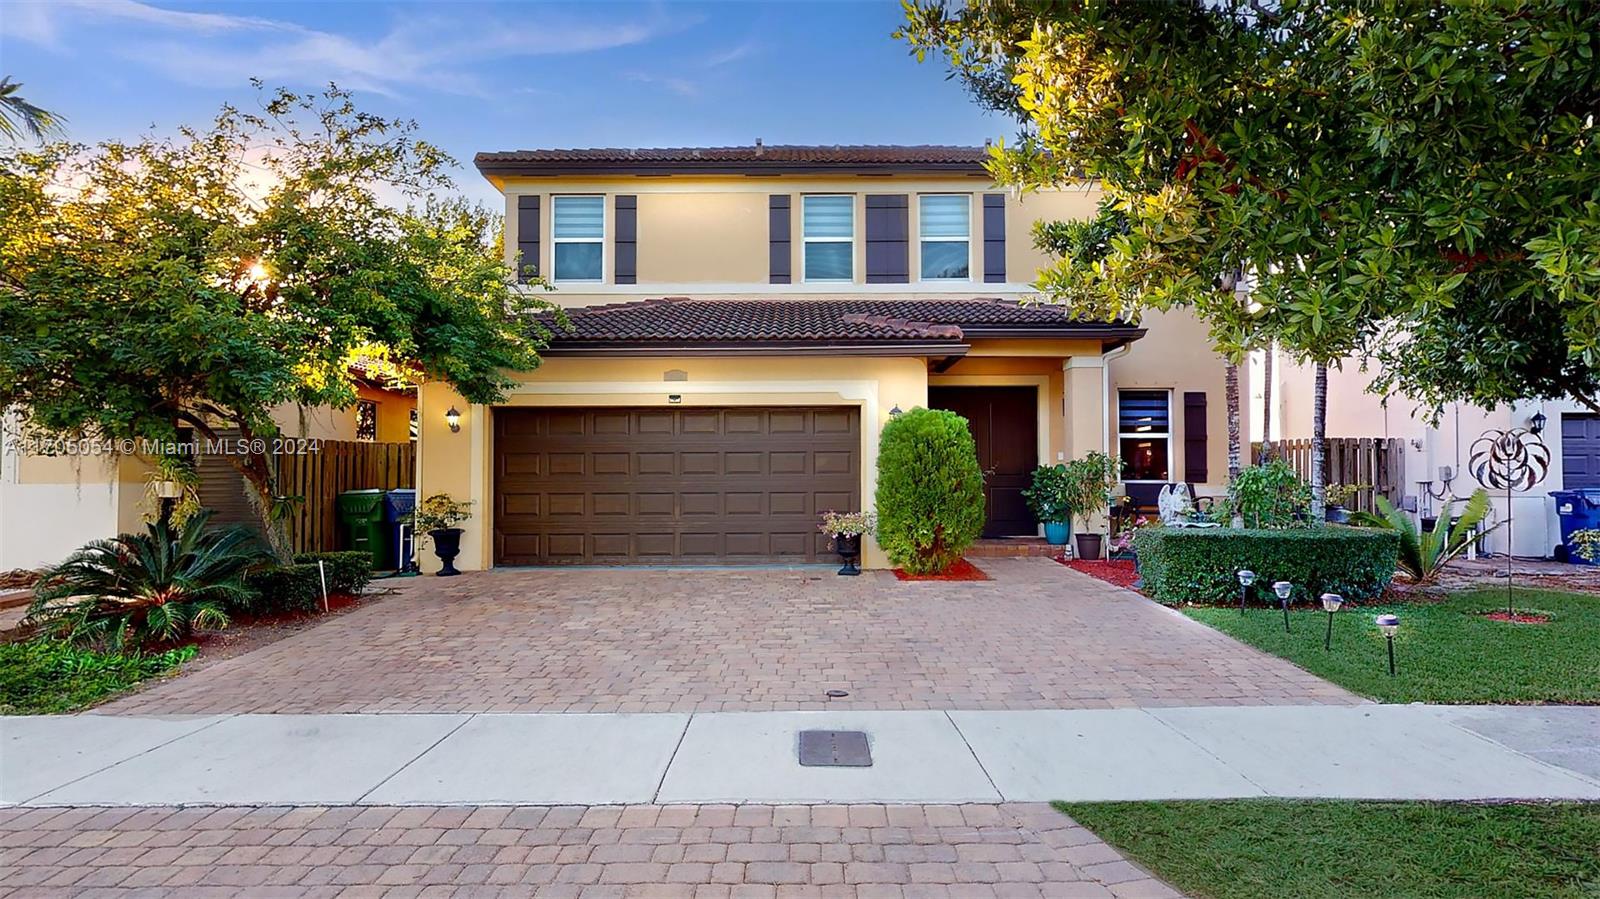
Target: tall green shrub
x,y
930,490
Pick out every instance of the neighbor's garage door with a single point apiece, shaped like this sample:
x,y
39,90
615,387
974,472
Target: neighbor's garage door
x,y
671,485
1580,451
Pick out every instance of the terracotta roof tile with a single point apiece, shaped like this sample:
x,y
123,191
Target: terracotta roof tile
x,y
778,157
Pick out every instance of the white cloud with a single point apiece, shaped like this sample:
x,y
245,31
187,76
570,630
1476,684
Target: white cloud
x,y
683,87
732,54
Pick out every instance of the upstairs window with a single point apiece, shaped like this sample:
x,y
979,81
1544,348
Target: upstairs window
x,y
945,233
828,227
579,234
1144,433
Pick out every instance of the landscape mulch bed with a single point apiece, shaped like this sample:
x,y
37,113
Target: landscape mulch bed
x,y
1113,571
1521,617
960,571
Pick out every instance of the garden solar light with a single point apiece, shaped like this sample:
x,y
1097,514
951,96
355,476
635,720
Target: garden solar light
x,y
1284,589
1330,604
1390,625
1246,578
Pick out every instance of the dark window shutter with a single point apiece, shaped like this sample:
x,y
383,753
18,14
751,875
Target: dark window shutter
x,y
778,255
625,240
888,239
528,236
994,238
1194,436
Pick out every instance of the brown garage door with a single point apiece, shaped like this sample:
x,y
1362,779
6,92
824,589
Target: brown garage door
x,y
618,486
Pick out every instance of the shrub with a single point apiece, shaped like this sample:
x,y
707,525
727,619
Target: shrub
x,y
155,587
348,572
1267,496
930,490
284,588
47,677
1202,564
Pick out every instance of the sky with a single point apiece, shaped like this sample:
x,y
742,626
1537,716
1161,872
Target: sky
x,y
500,76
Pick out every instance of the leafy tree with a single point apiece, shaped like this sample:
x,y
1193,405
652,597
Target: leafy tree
x,y
200,282
19,117
1412,182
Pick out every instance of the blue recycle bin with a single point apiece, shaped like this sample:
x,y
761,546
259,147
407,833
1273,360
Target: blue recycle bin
x,y
397,508
1578,510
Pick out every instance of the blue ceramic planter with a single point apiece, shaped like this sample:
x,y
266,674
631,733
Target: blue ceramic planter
x,y
1057,532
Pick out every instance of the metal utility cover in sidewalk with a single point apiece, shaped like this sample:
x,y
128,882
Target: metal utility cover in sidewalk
x,y
835,749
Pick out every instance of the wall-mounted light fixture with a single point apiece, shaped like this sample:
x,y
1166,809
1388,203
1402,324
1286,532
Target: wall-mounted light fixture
x,y
895,410
674,397
1536,423
453,419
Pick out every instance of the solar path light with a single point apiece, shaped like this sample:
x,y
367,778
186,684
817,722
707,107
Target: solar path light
x,y
1246,578
1284,589
1330,604
1390,625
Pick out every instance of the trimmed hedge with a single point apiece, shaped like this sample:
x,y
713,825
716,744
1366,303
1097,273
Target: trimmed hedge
x,y
1201,565
298,587
930,490
348,572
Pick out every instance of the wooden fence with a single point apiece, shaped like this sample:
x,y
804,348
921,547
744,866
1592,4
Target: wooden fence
x,y
332,467
1377,461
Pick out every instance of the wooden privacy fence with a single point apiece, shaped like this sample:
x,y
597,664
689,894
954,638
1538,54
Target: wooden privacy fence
x,y
324,471
1378,461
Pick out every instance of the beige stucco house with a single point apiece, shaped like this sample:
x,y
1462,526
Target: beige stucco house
x,y
744,322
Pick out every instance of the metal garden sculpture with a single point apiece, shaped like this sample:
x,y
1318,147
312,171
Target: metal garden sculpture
x,y
1515,459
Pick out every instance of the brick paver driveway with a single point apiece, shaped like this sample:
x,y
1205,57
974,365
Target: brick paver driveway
x,y
616,640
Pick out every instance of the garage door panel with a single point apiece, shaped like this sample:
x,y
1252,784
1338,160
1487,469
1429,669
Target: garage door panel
x,y
681,485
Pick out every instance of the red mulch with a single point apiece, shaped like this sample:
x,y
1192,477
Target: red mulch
x,y
1113,571
960,571
1521,617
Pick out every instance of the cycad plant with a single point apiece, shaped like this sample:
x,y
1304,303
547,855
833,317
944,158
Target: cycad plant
x,y
1423,554
152,588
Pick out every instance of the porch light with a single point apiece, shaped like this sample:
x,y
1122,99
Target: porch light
x,y
895,411
1536,423
1284,589
1246,578
1330,604
453,419
1389,625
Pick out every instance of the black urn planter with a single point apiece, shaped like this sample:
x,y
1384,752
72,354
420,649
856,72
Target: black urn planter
x,y
447,545
849,548
1089,545
1336,515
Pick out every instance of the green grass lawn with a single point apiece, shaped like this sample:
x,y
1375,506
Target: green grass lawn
x,y
1446,651
45,677
1274,849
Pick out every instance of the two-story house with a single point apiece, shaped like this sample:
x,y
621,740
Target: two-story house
x,y
744,322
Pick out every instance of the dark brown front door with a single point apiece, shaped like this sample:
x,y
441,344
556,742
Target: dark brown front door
x,y
1005,426
619,486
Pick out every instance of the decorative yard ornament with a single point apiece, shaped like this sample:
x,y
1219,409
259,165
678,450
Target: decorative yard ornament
x,y
1515,459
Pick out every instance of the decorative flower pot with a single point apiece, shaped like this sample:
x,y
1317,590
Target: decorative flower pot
x,y
1337,514
849,548
1089,546
447,545
1057,532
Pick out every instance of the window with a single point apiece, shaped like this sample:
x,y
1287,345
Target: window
x,y
828,227
579,233
366,420
944,229
1144,433
413,428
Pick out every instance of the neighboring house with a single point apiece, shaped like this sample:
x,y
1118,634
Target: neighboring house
x,y
1570,430
746,319
52,504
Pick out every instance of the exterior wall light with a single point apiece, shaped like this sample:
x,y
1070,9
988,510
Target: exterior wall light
x,y
1284,589
895,410
453,419
1246,578
1536,423
1330,604
674,398
1389,625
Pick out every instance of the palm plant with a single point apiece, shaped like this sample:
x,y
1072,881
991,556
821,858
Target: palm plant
x,y
150,588
1424,554
18,116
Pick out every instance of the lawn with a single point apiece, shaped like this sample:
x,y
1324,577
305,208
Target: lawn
x,y
1272,849
46,677
1446,651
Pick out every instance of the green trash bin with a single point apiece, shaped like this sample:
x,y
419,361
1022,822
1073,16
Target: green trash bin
x,y
361,516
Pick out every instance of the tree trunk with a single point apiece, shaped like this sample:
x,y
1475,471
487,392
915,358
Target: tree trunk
x,y
1266,400
1319,444
257,471
1231,379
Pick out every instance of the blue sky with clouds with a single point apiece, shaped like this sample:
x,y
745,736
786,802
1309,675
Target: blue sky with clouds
x,y
496,76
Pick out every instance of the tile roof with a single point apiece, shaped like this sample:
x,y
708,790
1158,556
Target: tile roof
x,y
817,324
758,157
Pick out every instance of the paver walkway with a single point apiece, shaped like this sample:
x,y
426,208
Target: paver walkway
x,y
1038,635
713,851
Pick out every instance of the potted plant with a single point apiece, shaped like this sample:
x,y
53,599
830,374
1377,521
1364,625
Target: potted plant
x,y
1337,497
438,517
1048,500
1090,481
845,530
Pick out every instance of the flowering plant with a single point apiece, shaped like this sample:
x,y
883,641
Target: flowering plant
x,y
847,524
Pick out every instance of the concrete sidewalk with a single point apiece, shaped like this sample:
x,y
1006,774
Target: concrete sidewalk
x,y
1368,752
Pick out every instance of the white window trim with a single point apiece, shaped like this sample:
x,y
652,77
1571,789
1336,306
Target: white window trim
x,y
806,240
966,240
1146,435
605,228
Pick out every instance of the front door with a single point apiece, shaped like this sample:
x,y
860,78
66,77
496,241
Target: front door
x,y
1005,426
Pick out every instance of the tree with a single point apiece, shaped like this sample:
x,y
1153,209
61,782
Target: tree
x,y
18,116
1267,356
200,282
1414,182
